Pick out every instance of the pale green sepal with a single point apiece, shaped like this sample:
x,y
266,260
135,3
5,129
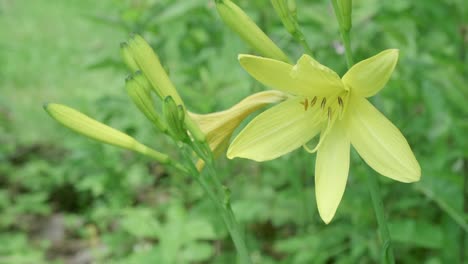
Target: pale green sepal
x,y
316,79
380,143
149,64
368,77
239,22
142,99
275,132
93,129
331,171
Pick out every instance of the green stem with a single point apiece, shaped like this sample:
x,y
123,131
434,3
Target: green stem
x,y
300,37
224,206
217,193
387,251
374,189
347,44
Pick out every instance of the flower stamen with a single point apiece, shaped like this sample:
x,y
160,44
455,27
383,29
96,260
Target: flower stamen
x,y
313,101
305,103
324,102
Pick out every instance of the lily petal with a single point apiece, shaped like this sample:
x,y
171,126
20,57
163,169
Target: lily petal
x,y
307,78
275,132
380,143
219,126
315,78
369,76
331,171
272,73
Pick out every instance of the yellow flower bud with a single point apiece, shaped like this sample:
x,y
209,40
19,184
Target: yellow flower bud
x,y
282,9
93,129
149,64
127,57
343,9
138,89
237,20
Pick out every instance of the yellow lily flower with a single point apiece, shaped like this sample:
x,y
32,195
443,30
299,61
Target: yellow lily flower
x,y
336,108
219,126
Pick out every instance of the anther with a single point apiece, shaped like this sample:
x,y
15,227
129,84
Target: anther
x,y
329,113
324,102
313,101
306,104
340,102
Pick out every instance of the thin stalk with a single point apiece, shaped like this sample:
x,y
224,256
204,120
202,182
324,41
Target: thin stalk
x,y
463,236
345,35
374,189
304,44
217,194
224,205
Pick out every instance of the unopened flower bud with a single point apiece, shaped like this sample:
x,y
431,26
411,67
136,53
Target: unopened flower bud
x,y
149,64
175,119
93,129
127,57
343,10
236,19
141,97
282,9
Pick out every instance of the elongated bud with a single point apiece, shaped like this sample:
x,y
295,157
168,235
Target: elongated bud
x,y
238,21
292,8
149,64
93,129
282,9
175,117
343,10
135,86
127,57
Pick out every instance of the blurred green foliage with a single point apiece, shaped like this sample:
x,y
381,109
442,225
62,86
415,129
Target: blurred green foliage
x,y
65,199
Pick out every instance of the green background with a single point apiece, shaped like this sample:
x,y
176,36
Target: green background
x,y
66,199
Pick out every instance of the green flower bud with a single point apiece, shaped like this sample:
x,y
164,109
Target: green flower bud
x,y
149,64
239,22
127,57
282,9
175,119
137,88
292,8
343,10
93,129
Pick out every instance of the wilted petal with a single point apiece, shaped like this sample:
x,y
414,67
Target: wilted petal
x,y
275,132
331,171
380,143
369,76
316,79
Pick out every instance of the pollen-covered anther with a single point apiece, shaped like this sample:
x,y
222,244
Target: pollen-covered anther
x,y
313,101
324,102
